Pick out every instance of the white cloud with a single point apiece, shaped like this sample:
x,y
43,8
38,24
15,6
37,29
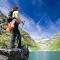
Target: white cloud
x,y
34,30
58,23
5,4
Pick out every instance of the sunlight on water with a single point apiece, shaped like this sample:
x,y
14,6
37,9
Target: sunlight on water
x,y
45,55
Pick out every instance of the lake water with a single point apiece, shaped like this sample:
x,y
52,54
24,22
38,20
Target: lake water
x,y
44,55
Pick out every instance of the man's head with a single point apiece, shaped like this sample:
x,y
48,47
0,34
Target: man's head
x,y
15,8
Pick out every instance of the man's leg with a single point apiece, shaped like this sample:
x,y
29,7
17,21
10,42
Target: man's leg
x,y
19,39
13,40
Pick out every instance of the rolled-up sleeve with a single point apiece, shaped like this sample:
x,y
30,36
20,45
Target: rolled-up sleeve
x,y
15,14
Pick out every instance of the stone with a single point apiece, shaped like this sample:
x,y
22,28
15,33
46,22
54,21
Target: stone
x,y
15,54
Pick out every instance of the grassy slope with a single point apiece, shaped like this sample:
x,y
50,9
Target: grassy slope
x,y
5,40
52,44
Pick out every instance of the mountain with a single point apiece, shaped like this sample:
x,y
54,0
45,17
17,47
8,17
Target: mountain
x,y
52,44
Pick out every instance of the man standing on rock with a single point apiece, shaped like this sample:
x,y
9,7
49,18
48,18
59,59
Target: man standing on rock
x,y
15,31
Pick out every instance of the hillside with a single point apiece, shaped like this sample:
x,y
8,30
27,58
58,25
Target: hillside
x,y
53,44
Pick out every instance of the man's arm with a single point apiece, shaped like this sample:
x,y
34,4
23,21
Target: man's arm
x,y
18,20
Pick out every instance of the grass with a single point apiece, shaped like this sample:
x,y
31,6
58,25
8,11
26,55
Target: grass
x,y
5,40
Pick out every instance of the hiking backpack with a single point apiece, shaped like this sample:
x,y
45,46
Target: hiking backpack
x,y
10,18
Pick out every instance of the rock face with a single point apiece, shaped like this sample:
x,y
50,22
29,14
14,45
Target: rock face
x,y
15,54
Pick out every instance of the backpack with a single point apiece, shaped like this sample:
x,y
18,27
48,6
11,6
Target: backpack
x,y
10,27
10,13
10,18
10,22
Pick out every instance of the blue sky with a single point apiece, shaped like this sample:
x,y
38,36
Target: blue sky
x,y
42,16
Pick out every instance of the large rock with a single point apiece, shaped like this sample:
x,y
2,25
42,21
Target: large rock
x,y
15,54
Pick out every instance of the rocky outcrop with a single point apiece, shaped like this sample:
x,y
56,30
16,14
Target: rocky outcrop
x,y
15,54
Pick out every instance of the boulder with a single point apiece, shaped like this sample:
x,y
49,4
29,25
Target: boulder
x,y
15,54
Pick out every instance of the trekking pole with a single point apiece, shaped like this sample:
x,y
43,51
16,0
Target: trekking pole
x,y
23,22
21,28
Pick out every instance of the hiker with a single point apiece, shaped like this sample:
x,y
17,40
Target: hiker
x,y
15,31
